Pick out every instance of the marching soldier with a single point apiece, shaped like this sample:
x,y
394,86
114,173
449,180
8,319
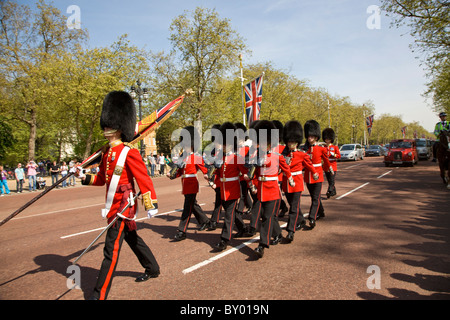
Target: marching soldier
x,y
230,189
297,160
243,151
279,149
334,154
268,190
214,163
317,154
190,164
119,166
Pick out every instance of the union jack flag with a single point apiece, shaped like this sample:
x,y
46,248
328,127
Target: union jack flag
x,y
253,99
369,123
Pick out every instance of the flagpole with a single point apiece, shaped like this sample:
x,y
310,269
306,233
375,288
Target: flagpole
x,y
242,89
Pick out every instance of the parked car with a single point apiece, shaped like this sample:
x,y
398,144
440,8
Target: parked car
x,y
402,152
353,151
373,150
423,149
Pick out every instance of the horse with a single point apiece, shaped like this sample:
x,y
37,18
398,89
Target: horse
x,y
443,155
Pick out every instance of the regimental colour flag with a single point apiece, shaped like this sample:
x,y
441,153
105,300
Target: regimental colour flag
x,y
253,99
369,123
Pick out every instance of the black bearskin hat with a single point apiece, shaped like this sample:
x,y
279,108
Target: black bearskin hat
x,y
312,128
279,125
267,126
328,133
293,132
227,129
119,113
190,138
241,131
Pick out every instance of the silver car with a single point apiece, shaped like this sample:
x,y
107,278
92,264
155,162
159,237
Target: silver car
x,y
352,151
423,149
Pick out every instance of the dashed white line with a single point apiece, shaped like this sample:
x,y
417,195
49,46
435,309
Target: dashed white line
x,y
351,191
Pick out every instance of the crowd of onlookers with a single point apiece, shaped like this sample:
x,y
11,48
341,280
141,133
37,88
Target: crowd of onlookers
x,y
36,173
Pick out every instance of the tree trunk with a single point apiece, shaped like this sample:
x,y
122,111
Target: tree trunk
x,y
32,138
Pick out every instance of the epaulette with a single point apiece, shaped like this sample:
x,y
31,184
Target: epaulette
x,y
129,145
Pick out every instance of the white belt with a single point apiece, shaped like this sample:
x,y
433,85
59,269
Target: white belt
x,y
188,175
317,165
229,179
264,178
296,173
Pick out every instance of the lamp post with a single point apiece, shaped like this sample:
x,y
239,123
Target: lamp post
x,y
140,93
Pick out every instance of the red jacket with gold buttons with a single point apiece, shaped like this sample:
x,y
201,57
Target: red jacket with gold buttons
x,y
317,154
229,176
133,168
333,155
188,173
298,161
267,175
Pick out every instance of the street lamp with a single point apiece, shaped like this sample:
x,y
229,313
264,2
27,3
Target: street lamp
x,y
140,93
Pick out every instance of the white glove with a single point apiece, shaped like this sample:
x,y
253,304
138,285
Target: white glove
x,y
151,213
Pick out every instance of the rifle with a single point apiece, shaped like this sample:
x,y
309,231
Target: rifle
x,y
144,128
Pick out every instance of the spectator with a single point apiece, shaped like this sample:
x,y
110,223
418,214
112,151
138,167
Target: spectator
x,y
31,173
64,171
152,161
3,181
54,170
162,164
72,164
20,177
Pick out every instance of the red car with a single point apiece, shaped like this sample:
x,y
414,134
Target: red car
x,y
402,152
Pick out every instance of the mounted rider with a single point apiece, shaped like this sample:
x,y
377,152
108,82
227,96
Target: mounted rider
x,y
440,126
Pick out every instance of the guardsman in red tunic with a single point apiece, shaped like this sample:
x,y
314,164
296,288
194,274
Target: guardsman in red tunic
x,y
334,154
230,189
279,149
119,166
268,191
297,160
243,151
317,154
191,162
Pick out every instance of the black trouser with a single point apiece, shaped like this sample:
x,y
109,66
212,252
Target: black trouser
x,y
217,207
231,219
331,178
191,206
269,221
256,212
113,243
316,207
245,200
295,212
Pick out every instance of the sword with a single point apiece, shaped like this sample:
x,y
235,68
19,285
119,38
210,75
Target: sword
x,y
107,227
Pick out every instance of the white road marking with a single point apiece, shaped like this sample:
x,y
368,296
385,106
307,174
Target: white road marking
x,y
57,211
384,174
346,194
140,219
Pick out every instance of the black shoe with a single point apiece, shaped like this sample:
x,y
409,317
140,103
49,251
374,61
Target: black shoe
x,y
312,223
222,245
260,251
300,225
321,215
276,240
180,236
212,226
250,232
240,233
203,226
145,276
290,236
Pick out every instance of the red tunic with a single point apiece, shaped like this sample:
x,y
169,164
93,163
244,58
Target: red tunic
x,y
133,167
229,176
188,173
267,175
317,154
333,154
299,161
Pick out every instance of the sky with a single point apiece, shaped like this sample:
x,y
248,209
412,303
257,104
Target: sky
x,y
337,45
